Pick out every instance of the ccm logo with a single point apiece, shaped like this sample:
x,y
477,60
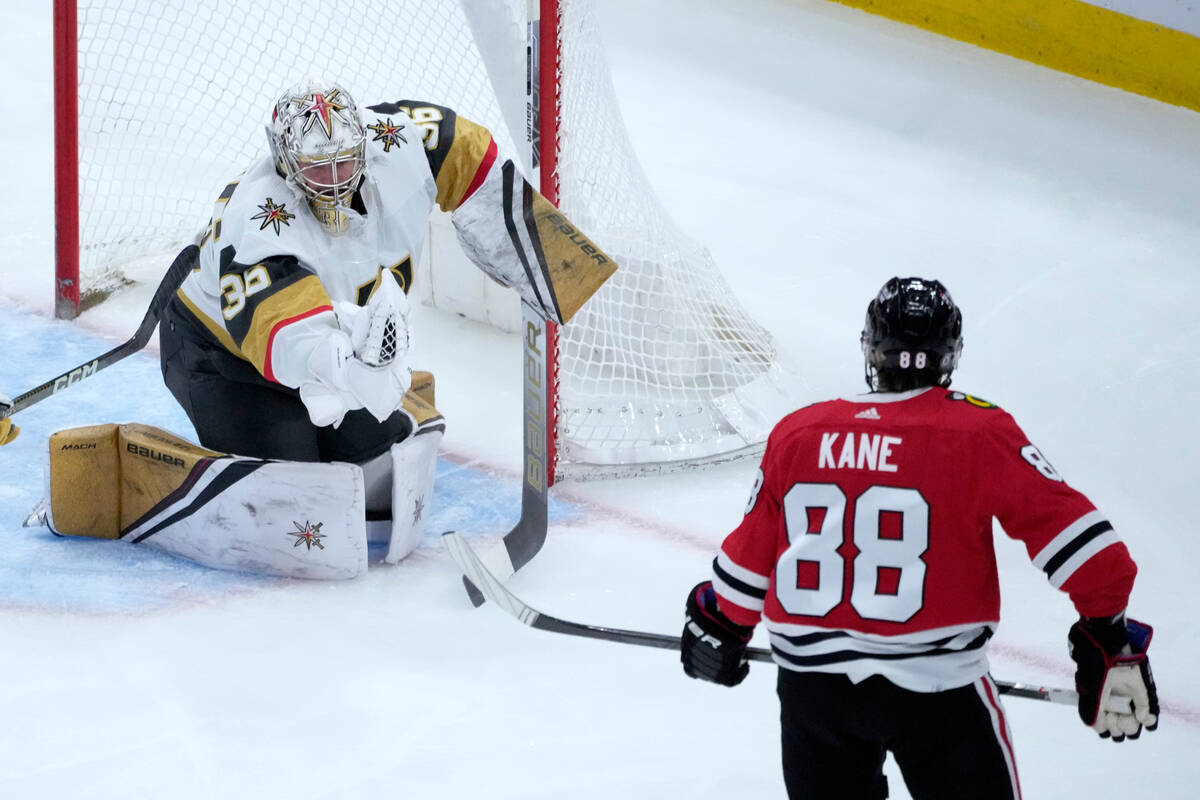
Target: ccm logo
x,y
76,375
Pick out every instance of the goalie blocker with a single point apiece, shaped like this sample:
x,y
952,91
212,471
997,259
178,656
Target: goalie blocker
x,y
144,485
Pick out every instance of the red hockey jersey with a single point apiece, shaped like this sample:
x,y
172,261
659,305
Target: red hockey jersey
x,y
867,542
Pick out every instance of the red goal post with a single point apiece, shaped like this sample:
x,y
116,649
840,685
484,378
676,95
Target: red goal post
x,y
158,103
66,161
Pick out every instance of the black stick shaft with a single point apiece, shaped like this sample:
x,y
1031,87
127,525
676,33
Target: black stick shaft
x,y
183,263
526,538
488,585
667,642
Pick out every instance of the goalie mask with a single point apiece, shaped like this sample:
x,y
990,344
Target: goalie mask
x,y
912,336
319,144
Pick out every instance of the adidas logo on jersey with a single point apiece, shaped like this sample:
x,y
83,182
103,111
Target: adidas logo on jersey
x,y
870,413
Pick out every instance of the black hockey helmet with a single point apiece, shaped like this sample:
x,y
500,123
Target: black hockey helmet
x,y
912,336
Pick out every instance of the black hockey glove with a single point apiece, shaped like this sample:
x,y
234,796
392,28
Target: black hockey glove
x,y
714,646
1110,658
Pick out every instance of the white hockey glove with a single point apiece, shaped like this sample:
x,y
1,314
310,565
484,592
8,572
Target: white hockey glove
x,y
365,363
324,395
1110,658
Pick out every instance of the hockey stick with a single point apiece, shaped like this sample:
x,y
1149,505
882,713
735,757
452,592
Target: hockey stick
x,y
472,567
526,538
183,263
529,534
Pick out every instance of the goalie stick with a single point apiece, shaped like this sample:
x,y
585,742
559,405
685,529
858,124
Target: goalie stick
x,y
526,538
183,263
473,568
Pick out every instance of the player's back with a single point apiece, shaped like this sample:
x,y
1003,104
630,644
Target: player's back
x,y
900,478
872,533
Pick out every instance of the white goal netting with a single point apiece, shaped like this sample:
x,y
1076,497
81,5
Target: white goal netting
x,y
661,369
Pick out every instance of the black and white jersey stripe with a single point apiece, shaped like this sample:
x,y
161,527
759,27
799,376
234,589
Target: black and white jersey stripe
x,y
926,661
738,584
1069,550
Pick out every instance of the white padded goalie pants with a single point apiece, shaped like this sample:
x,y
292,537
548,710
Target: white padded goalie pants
x,y
399,483
287,518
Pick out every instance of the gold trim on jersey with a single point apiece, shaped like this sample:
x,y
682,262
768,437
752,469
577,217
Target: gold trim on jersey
x,y
402,269
295,300
214,224
467,153
217,330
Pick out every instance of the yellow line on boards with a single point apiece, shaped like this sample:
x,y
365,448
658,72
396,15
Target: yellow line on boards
x,y
1066,35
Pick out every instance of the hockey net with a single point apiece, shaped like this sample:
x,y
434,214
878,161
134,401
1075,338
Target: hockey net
x,y
662,369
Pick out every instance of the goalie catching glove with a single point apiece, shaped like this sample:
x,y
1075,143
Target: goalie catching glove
x,y
8,431
1110,657
364,363
713,647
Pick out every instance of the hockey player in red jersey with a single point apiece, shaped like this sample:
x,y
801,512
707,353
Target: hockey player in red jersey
x,y
866,548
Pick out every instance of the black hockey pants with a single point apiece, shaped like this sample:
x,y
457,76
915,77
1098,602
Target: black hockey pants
x,y
949,745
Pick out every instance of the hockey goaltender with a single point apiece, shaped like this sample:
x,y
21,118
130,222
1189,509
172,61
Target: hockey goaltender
x,y
287,344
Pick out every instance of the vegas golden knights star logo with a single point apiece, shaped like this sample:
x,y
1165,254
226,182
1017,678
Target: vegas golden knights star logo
x,y
388,133
321,109
274,215
308,535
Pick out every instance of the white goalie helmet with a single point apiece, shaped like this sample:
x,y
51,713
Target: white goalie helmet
x,y
319,144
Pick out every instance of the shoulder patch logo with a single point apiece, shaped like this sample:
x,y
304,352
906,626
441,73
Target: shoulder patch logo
x,y
308,535
389,133
978,402
274,215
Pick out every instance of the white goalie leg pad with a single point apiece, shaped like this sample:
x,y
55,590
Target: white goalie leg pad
x,y
293,519
414,462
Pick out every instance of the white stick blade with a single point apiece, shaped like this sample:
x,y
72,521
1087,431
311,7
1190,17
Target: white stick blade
x,y
489,586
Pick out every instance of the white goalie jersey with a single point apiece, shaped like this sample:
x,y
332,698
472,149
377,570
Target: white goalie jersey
x,y
270,276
